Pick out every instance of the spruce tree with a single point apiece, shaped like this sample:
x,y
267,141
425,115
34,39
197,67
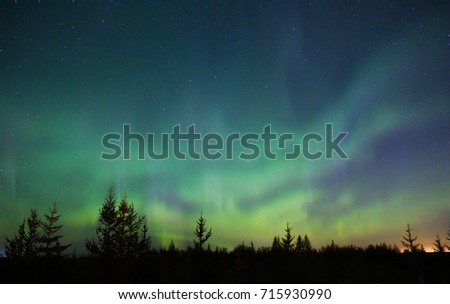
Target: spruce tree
x,y
409,242
15,247
438,246
276,245
287,240
172,248
448,237
145,242
33,236
201,233
303,245
51,241
127,229
299,244
307,247
107,221
25,243
121,231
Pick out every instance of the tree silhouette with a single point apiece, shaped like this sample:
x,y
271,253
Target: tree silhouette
x,y
307,244
172,248
331,248
107,221
448,237
121,232
276,244
299,244
128,228
51,245
15,247
303,245
33,236
25,243
382,248
408,240
145,242
438,246
287,241
201,232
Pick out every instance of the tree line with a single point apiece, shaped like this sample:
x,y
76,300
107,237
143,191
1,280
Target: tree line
x,y
121,232
38,238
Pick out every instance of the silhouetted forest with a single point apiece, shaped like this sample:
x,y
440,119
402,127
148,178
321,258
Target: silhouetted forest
x,y
121,251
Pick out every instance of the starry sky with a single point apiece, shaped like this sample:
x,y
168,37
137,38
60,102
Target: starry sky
x,y
72,71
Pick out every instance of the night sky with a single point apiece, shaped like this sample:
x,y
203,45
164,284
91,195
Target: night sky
x,y
72,71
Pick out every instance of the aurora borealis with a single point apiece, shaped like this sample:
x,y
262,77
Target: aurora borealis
x,y
72,71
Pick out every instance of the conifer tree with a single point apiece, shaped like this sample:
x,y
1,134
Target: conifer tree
x,y
303,245
287,240
107,221
307,247
438,246
252,247
145,242
201,233
33,236
331,247
276,244
127,229
172,248
25,242
51,241
15,247
299,244
448,237
121,231
409,241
